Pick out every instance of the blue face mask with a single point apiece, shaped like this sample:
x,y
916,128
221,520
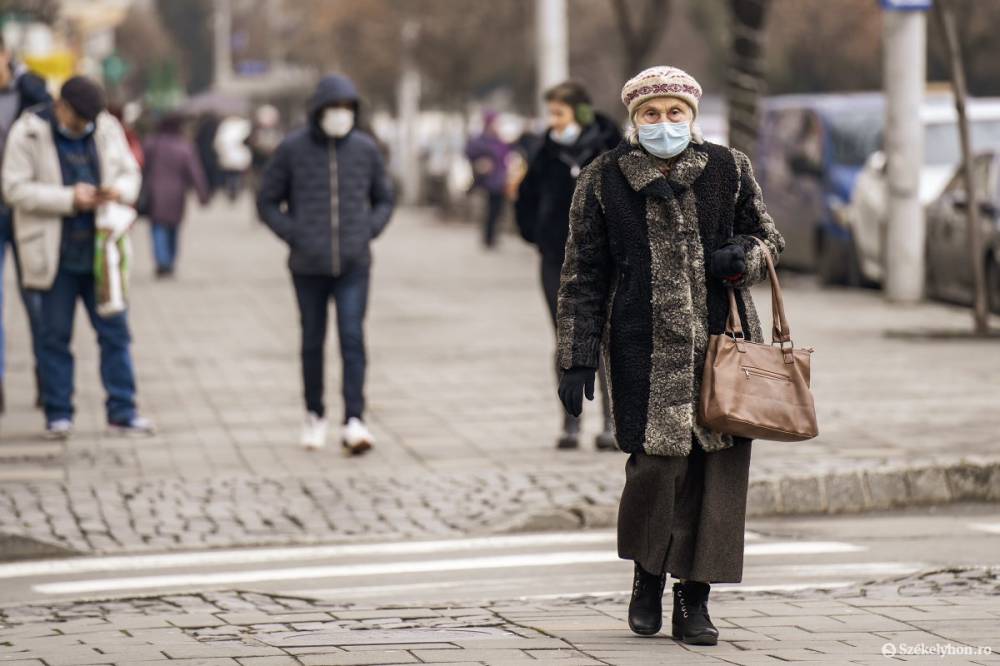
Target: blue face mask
x,y
665,140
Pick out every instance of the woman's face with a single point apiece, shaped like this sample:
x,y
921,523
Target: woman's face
x,y
560,115
663,110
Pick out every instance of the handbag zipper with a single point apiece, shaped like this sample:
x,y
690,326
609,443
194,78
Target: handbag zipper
x,y
766,374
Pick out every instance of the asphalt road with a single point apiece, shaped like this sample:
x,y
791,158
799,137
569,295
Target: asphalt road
x,y
781,554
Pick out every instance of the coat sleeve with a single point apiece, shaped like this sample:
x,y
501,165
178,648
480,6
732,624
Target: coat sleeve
x,y
21,188
275,188
127,176
526,206
752,220
383,198
586,277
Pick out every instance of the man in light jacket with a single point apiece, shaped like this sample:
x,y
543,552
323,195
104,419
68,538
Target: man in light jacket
x,y
326,194
62,161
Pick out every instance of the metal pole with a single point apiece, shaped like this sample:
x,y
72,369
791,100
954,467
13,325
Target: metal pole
x,y
223,29
904,35
409,117
551,45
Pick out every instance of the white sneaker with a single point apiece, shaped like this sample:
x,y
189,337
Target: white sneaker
x,y
356,438
59,429
137,426
313,432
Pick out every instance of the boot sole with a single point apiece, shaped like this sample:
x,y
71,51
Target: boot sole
x,y
355,449
646,632
701,639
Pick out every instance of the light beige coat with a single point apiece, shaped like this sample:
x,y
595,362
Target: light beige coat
x,y
33,188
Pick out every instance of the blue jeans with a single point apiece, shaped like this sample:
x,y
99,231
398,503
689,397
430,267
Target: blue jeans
x,y
164,245
32,299
56,359
350,294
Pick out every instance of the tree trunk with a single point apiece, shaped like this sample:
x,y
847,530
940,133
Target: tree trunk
x,y
638,41
746,71
980,308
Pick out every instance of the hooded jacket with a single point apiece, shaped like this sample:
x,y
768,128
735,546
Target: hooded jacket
x,y
544,195
326,198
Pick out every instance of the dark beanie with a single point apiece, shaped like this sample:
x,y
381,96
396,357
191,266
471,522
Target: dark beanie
x,y
84,96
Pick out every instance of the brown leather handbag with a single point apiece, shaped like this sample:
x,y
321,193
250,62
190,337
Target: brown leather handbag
x,y
756,390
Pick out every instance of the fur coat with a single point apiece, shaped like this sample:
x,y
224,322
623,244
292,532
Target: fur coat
x,y
635,286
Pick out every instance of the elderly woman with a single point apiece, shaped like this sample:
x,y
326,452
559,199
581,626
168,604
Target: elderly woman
x,y
660,228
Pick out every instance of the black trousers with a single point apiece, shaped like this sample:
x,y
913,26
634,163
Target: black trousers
x,y
350,295
494,210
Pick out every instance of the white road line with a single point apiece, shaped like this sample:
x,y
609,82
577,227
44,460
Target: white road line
x,y
116,564
716,588
333,571
801,548
992,528
524,560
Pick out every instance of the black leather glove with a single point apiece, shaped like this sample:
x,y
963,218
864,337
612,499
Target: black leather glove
x,y
729,262
572,386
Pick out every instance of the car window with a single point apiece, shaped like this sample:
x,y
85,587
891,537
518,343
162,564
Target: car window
x,y
942,144
981,170
855,136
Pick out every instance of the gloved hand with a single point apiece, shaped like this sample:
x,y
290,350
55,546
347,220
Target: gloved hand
x,y
572,385
729,262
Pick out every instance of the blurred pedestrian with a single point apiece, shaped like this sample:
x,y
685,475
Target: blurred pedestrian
x,y
63,161
233,154
576,135
488,155
660,228
19,90
172,169
131,135
264,139
204,140
326,193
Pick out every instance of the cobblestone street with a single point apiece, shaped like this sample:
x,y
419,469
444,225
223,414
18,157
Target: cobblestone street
x,y
952,611
462,402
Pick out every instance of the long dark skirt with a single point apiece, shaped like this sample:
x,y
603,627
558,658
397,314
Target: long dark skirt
x,y
685,515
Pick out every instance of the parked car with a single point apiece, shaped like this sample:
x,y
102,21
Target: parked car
x,y
856,254
811,150
949,271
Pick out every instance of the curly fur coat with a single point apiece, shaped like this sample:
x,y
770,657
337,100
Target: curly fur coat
x,y
635,287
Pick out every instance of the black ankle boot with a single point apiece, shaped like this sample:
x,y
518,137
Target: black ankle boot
x,y
645,611
691,622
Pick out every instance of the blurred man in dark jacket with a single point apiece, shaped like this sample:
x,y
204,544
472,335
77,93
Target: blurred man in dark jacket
x,y
19,90
488,154
326,193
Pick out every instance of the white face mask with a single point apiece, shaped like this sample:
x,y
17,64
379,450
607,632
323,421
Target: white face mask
x,y
568,135
336,123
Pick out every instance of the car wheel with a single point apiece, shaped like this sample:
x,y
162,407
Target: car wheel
x,y
831,265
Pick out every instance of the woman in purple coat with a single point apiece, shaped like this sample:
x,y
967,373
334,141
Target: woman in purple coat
x,y
172,168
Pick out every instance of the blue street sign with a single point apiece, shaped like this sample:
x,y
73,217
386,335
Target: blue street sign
x,y
907,5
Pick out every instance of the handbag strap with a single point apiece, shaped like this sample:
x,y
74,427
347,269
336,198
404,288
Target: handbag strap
x,y
780,331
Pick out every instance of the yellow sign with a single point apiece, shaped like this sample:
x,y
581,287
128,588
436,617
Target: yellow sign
x,y
54,67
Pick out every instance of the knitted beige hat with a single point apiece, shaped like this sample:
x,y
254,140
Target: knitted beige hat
x,y
661,82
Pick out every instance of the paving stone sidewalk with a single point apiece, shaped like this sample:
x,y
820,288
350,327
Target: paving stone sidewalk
x,y
950,616
461,399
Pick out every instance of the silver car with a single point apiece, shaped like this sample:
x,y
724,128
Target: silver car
x,y
949,271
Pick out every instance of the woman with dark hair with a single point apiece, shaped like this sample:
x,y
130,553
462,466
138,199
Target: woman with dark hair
x,y
576,135
172,168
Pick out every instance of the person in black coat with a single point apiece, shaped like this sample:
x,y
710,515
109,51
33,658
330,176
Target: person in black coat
x,y
576,135
19,90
